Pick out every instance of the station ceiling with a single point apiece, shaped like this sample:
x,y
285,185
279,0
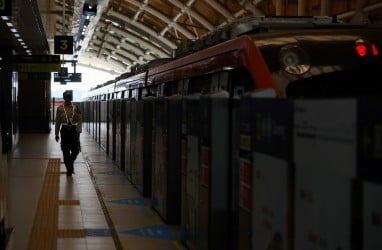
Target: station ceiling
x,y
114,35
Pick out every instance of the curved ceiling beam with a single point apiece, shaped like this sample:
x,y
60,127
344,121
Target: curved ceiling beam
x,y
135,38
367,8
187,9
89,59
165,19
249,6
122,44
142,29
109,47
141,9
108,57
118,44
110,53
63,17
175,20
130,56
221,9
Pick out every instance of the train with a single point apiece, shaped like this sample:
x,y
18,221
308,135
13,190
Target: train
x,y
220,137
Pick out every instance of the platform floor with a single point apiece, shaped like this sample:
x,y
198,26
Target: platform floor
x,y
96,208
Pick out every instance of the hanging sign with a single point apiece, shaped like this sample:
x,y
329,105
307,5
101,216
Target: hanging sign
x,y
63,45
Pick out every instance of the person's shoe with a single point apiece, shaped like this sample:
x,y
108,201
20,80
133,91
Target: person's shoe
x,y
68,173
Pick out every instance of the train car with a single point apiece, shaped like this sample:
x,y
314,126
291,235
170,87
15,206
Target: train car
x,y
197,126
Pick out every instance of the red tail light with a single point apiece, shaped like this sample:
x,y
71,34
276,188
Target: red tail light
x,y
366,49
374,50
361,50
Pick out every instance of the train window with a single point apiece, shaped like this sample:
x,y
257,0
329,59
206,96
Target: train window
x,y
150,91
200,84
185,86
171,88
223,80
215,82
134,93
240,82
348,83
142,92
235,81
160,89
180,87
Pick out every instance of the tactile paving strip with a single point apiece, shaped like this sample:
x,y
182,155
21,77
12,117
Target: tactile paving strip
x,y
45,230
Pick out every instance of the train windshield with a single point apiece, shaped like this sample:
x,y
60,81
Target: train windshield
x,y
328,62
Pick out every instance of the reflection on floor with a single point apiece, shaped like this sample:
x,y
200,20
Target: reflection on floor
x,y
96,208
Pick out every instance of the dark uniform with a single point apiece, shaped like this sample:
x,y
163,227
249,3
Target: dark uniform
x,y
69,125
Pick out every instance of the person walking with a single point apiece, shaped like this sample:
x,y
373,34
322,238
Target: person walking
x,y
69,125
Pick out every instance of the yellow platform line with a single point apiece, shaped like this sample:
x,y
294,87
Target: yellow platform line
x,y
45,230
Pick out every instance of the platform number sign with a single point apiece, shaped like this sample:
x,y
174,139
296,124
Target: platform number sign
x,y
5,8
63,44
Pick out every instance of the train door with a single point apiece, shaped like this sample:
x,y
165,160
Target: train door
x,y
84,117
214,152
129,131
138,156
327,210
103,125
111,128
96,105
92,112
265,182
86,110
190,169
196,203
144,144
158,173
89,111
185,219
369,120
209,136
97,121
120,133
133,137
166,182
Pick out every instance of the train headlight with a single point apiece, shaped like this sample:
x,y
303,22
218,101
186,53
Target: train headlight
x,y
294,60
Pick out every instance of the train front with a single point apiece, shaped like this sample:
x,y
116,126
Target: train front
x,y
323,60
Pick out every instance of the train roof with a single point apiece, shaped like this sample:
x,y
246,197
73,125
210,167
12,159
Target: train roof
x,y
260,28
